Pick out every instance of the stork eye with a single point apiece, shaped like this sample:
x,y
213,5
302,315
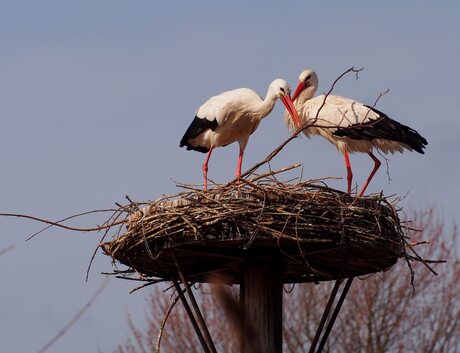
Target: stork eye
x,y
282,90
307,78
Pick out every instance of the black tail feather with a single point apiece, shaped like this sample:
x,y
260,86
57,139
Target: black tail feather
x,y
384,128
198,126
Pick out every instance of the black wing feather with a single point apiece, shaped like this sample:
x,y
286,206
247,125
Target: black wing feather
x,y
197,127
384,128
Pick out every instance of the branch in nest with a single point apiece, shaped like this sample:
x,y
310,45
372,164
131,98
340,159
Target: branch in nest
x,y
57,224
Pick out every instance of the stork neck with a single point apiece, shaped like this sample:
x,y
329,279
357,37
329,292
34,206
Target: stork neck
x,y
267,105
307,93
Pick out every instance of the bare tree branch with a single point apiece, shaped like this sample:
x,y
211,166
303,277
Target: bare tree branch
x,y
7,249
75,318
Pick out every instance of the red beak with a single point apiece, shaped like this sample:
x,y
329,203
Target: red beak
x,y
292,111
298,90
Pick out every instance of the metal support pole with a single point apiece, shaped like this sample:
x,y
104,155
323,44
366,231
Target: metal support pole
x,y
207,336
326,312
334,315
191,317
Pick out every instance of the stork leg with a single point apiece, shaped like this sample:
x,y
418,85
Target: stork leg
x,y
205,168
240,162
377,164
349,171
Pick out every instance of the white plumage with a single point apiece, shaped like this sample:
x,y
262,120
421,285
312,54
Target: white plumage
x,y
351,126
233,116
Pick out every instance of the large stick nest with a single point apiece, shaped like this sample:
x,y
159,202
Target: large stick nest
x,y
312,232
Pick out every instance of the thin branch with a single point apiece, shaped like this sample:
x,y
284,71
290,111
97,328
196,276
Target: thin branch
x,y
163,323
75,318
147,247
70,217
7,249
351,69
146,285
120,212
294,166
381,94
56,224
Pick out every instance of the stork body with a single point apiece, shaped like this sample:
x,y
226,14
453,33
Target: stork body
x,y
233,116
351,126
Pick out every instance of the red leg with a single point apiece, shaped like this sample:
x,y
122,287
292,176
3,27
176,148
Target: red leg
x,y
240,162
349,172
205,168
377,164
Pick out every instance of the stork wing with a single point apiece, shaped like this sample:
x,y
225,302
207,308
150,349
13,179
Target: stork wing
x,y
383,127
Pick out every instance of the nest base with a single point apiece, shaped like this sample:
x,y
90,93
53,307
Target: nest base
x,y
313,233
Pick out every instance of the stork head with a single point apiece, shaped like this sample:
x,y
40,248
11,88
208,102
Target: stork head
x,y
307,79
282,90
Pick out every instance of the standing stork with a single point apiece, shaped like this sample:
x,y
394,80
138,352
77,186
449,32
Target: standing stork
x,y
233,116
351,126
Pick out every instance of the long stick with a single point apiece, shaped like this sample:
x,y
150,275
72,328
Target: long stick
x,y
75,318
163,323
57,224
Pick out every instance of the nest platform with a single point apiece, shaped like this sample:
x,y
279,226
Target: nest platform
x,y
310,232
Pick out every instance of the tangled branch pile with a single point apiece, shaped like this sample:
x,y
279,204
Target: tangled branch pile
x,y
313,232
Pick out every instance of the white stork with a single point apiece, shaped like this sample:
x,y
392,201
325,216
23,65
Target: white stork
x,y
351,126
233,116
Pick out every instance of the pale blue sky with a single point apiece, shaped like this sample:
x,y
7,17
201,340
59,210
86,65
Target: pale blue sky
x,y
95,96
